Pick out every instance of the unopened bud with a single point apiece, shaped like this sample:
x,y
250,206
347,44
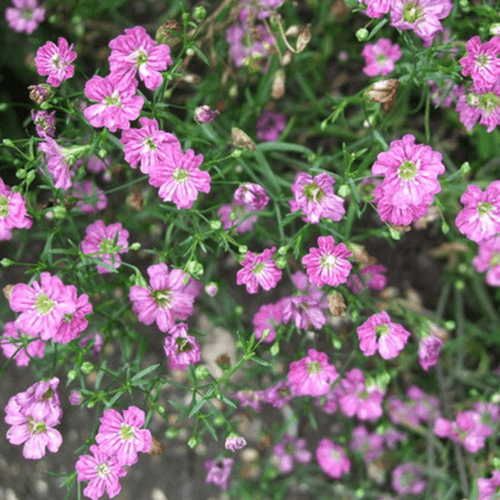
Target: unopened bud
x,y
200,12
87,367
40,93
362,35
242,140
304,38
201,372
163,36
6,262
383,92
495,29
204,114
193,442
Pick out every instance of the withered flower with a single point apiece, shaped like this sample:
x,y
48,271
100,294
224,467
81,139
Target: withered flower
x,y
241,139
383,92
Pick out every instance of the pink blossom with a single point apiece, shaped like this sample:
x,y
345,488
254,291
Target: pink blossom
x,y
13,212
303,310
332,459
252,196
45,123
91,198
97,343
20,346
328,263
105,243
316,294
165,300
102,471
488,487
147,145
378,332
270,125
312,375
377,8
235,442
266,319
392,437
179,177
429,346
481,62
488,259
219,471
25,16
203,114
55,61
371,445
291,449
380,57
250,398
278,395
250,48
122,436
57,163
180,348
467,429
75,397
116,105
259,269
371,276
135,52
237,218
316,198
41,400
407,479
479,220
42,306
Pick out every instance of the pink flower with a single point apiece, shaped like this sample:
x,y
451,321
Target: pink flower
x,y
135,52
371,445
329,402
236,217
105,243
467,429
179,177
488,259
332,459
42,306
25,16
479,220
250,47
250,398
91,198
41,400
258,269
13,212
312,375
75,398
45,123
235,442
117,104
377,8
291,449
165,300
430,345
303,310
20,346
147,145
267,318
270,125
180,348
219,471
252,196
278,395
102,471
203,114
57,163
378,332
316,198
488,487
55,61
481,62
371,276
122,436
380,57
407,479
328,263
97,343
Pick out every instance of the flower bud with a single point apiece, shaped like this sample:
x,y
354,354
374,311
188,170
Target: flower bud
x,y
304,38
212,289
87,367
383,92
204,114
163,36
201,372
200,12
240,139
362,35
40,93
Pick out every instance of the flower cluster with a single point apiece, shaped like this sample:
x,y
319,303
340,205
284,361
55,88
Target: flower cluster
x,y
13,212
25,16
289,450
180,348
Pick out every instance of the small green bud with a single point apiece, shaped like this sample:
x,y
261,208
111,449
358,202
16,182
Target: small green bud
x,y
59,212
72,375
465,168
395,235
362,35
236,153
275,349
6,262
243,249
3,106
495,29
21,173
283,250
201,372
281,262
239,310
336,343
185,17
161,410
344,190
30,177
135,246
445,228
449,325
215,225
193,442
102,154
465,5
194,268
200,12
171,433
8,143
87,367
496,462
462,268
459,285
190,52
218,421
265,333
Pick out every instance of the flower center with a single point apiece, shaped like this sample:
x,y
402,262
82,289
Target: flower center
x,y
180,175
149,144
44,304
335,455
284,392
48,394
313,193
313,368
56,61
495,259
411,12
36,426
482,60
381,58
183,345
113,100
106,246
289,448
489,102
484,208
258,268
27,14
162,297
381,329
103,470
141,58
4,206
126,432
328,261
407,170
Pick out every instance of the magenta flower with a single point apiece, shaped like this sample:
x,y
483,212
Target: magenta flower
x,y
430,344
479,220
270,125
57,163
236,217
42,306
312,375
252,196
249,398
378,332
41,400
147,145
380,57
278,395
219,471
203,114
407,479
481,62
488,259
259,269
45,123
303,310
467,429
25,16
235,442
179,177
117,102
250,47
266,319
165,300
289,450
370,444
372,276
180,348
102,471
20,346
488,487
105,243
376,8
332,459
75,398
55,61
316,198
13,212
122,436
328,263
135,52
91,198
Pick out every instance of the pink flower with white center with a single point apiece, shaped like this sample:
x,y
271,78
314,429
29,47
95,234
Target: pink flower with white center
x,y
278,395
75,398
219,471
488,259
316,198
371,276
289,450
467,429
481,62
25,16
135,52
180,348
421,16
165,300
91,198
57,163
41,400
179,177
303,310
270,125
332,459
117,105
265,321
312,375
13,212
42,306
370,444
376,8
105,243
356,399
45,123
122,436
488,487
20,346
407,479
328,263
235,442
259,269
55,61
378,332
102,471
252,196
147,145
380,57
479,220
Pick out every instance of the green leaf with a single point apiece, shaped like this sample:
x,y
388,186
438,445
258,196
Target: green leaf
x,y
144,372
200,54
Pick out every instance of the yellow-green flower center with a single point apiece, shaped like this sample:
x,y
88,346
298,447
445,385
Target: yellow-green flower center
x,y
113,100
183,345
103,470
149,143
180,175
328,261
314,367
106,245
495,259
162,297
411,12
141,58
407,170
126,432
44,304
381,329
484,208
313,193
258,268
4,206
36,426
489,102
